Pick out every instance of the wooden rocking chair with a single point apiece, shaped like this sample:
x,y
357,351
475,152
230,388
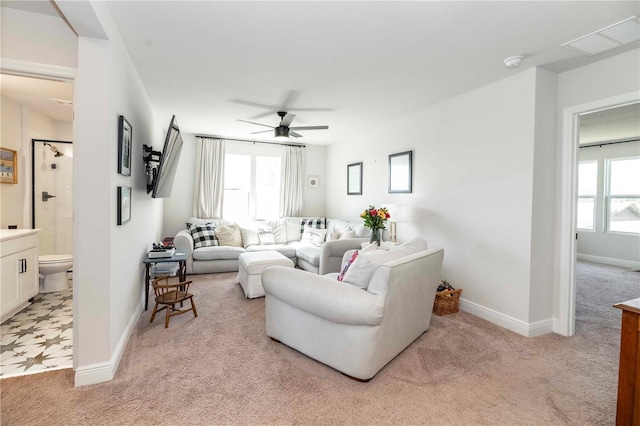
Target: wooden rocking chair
x,y
170,295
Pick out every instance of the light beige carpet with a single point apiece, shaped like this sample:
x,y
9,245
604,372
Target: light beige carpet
x,y
220,368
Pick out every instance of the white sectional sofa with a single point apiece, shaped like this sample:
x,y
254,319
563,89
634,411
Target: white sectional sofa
x,y
313,255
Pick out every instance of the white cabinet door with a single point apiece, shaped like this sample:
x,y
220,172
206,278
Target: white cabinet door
x,y
10,293
29,279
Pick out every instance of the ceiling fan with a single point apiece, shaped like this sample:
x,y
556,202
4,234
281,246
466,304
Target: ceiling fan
x,y
284,129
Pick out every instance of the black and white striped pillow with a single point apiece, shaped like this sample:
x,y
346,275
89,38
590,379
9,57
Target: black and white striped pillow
x,y
315,222
203,235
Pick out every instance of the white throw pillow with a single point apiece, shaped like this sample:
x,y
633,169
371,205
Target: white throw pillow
x,y
416,243
348,233
366,264
333,234
266,236
249,237
279,228
229,235
313,235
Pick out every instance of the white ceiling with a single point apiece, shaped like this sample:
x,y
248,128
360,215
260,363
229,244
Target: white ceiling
x,y
40,95
366,61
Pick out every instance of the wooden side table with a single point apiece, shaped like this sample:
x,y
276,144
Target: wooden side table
x,y
180,258
628,409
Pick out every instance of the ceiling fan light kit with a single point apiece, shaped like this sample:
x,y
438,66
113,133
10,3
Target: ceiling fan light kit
x,y
283,131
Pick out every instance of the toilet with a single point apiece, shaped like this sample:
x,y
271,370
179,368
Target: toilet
x,y
53,272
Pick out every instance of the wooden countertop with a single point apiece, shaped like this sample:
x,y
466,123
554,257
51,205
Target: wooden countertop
x,y
632,305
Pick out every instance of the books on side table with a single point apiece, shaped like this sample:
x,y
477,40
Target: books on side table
x,y
159,253
164,269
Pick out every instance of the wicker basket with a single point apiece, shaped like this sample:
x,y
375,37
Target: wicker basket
x,y
446,302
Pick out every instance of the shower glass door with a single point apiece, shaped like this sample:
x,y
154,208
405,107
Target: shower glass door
x,y
52,195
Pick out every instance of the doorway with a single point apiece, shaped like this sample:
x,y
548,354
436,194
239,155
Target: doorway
x,y
567,258
52,195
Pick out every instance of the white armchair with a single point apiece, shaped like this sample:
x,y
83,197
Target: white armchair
x,y
355,331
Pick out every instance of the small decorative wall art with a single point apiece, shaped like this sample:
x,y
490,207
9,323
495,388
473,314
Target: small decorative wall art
x,y
313,181
124,146
400,173
8,166
124,204
354,179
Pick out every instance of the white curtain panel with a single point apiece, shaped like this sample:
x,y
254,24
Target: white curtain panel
x,y
291,196
208,189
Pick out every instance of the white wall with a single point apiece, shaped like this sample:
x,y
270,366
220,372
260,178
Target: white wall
x,y
11,195
477,159
108,280
597,245
37,38
178,208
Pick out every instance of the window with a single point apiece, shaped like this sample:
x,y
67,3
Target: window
x,y
623,195
251,186
587,187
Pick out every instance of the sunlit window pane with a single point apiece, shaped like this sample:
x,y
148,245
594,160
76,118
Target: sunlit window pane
x,y
237,186
245,198
267,187
625,177
624,215
587,178
586,209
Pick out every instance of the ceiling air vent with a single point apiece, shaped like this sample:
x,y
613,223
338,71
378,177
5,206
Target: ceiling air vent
x,y
607,38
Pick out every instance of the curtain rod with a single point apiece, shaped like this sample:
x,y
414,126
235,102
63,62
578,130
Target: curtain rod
x,y
249,140
588,145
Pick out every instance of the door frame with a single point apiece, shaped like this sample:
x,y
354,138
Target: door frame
x,y
565,323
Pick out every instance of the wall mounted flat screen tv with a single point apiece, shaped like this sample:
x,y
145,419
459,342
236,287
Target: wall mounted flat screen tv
x,y
168,166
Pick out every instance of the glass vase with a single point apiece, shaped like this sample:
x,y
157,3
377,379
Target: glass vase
x,y
375,236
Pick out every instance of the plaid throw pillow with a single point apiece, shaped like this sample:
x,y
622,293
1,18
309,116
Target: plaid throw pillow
x,y
318,223
203,235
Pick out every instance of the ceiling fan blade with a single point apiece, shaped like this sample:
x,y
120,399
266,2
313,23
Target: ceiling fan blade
x,y
309,128
310,109
253,122
261,131
287,119
294,134
253,104
289,98
263,114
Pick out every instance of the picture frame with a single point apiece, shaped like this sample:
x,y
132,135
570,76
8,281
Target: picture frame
x,y
124,204
354,179
125,138
401,173
8,165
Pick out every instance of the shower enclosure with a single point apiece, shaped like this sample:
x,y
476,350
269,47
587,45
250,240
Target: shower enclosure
x,y
52,195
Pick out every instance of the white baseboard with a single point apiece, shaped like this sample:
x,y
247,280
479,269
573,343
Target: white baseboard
x,y
523,328
105,371
609,261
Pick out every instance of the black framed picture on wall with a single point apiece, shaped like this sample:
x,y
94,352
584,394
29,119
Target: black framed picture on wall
x,y
354,179
124,204
400,172
125,134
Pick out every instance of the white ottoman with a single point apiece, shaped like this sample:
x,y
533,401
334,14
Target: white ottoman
x,y
252,265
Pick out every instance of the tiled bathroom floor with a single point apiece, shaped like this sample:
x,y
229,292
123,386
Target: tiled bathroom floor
x,y
40,337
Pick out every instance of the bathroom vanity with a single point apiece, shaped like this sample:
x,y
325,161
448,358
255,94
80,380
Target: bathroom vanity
x,y
19,268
